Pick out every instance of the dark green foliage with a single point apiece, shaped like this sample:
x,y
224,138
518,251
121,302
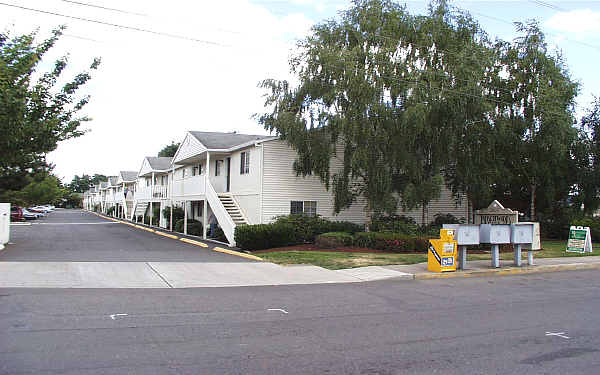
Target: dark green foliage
x,y
219,235
307,227
169,150
265,236
110,211
194,227
392,242
333,240
433,229
178,214
35,113
395,224
85,182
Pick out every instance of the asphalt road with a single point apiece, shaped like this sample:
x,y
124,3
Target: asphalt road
x,y
79,236
527,324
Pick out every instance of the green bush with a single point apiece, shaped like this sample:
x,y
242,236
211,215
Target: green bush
x,y
332,240
110,211
194,227
394,224
265,236
178,214
307,228
392,242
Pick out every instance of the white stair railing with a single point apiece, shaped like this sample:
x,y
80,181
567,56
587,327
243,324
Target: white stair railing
x,y
225,221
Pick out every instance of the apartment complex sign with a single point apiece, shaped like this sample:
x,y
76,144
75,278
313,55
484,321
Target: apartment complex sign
x,y
495,213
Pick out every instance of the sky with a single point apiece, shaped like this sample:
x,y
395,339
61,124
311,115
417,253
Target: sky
x,y
151,88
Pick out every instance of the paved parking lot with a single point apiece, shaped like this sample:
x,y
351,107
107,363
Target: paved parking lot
x,y
79,236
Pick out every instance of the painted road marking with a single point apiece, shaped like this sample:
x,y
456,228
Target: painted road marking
x,y
193,242
113,316
231,252
559,334
282,310
144,228
166,235
20,224
103,223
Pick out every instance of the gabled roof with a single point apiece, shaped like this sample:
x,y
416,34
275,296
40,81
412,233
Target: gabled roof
x,y
103,185
159,163
128,176
220,141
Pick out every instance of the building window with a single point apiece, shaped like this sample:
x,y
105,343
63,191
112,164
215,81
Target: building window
x,y
308,208
245,162
183,173
218,164
194,170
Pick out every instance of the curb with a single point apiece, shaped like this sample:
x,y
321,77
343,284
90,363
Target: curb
x,y
183,239
509,271
237,253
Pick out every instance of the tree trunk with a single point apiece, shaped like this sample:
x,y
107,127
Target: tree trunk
x,y
532,203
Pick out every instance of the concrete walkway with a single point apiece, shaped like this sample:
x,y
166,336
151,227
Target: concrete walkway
x,y
206,274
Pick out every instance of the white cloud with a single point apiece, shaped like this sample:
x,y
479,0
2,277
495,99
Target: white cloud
x,y
150,89
577,22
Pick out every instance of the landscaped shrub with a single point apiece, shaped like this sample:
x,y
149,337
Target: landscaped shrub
x,y
110,211
394,224
393,242
178,214
433,228
332,240
307,228
264,236
194,227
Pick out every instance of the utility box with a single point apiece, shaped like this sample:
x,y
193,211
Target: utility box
x,y
536,243
4,224
521,233
442,254
465,234
495,234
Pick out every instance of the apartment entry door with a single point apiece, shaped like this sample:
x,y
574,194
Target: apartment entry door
x,y
228,174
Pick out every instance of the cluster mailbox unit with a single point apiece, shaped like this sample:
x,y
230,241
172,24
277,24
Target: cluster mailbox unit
x,y
496,235
521,235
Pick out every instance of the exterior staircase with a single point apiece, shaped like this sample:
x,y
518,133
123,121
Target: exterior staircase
x,y
232,209
140,209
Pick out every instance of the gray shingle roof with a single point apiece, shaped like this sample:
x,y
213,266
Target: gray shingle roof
x,y
214,140
103,185
128,175
159,163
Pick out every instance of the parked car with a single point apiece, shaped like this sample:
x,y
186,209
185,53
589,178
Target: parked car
x,y
39,212
28,215
16,213
43,209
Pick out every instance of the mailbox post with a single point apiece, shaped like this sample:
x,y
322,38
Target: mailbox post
x,y
495,234
522,234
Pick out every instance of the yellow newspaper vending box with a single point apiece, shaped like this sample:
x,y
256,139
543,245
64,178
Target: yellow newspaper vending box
x,y
442,253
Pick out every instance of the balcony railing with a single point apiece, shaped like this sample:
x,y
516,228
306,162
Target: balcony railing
x,y
188,186
152,192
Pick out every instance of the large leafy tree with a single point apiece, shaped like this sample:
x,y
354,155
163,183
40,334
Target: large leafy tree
x,y
387,92
587,156
85,182
169,150
534,122
35,112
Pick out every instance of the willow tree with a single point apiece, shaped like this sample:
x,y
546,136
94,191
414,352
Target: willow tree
x,y
389,93
534,121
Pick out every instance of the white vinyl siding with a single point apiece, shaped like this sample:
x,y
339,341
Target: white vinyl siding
x,y
281,186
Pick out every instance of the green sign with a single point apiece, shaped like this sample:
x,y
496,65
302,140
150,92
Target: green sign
x,y
580,240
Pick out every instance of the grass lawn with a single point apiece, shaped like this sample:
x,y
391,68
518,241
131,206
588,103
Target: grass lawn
x,y
339,260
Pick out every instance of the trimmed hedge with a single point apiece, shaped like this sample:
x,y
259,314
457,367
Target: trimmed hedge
x,y
332,240
592,222
194,227
264,236
307,228
393,242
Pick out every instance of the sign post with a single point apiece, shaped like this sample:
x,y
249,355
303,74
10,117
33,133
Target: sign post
x,y
580,240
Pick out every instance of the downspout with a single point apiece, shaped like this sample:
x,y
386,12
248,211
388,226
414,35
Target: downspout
x,y
262,180
152,200
171,197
